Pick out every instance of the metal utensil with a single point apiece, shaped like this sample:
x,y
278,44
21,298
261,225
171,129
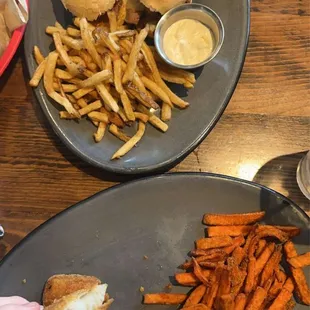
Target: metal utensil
x,y
1,231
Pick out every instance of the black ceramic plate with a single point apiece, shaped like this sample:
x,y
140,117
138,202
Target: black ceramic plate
x,y
157,151
108,234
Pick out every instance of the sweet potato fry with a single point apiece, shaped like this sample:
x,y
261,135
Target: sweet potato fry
x,y
199,274
236,288
257,300
302,288
300,261
233,219
280,275
236,242
260,247
189,279
275,289
210,295
271,265
240,302
290,305
197,307
269,283
263,258
196,296
271,231
164,299
209,265
213,242
282,299
250,279
292,231
226,302
233,231
224,287
212,256
238,255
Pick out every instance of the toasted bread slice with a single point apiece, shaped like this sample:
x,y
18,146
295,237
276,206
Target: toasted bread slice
x,y
91,299
62,285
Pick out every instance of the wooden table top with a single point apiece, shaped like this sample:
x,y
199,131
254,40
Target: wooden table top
x,y
262,135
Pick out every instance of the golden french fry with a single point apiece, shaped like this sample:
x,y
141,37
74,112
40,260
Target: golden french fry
x,y
73,68
96,79
153,119
91,107
141,97
82,103
127,106
131,143
51,30
38,74
148,55
104,39
98,136
66,115
48,84
72,43
133,57
112,20
154,88
118,133
166,76
117,64
88,42
67,88
82,92
98,117
142,117
72,32
107,98
123,34
166,112
122,13
63,75
38,56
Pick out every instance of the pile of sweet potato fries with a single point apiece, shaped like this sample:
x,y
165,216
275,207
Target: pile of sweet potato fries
x,y
238,266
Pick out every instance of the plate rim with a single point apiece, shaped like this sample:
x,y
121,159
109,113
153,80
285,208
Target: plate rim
x,y
151,178
158,167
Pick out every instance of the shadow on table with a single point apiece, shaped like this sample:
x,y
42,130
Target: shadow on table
x,y
279,211
66,153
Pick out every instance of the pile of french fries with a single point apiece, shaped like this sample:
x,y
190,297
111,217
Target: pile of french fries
x,y
105,71
238,266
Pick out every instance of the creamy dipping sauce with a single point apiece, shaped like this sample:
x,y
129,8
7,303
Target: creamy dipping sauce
x,y
188,42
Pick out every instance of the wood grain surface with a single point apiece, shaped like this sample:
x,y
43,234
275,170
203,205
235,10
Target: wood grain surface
x,y
262,135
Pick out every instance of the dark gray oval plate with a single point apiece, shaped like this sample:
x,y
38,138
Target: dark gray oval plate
x,y
157,151
108,234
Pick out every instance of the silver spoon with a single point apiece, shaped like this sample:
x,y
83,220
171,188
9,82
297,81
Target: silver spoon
x,y
1,231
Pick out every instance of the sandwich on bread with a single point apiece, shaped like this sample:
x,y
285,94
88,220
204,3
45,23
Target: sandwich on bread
x,y
75,292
